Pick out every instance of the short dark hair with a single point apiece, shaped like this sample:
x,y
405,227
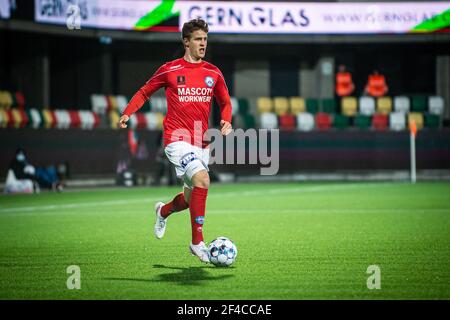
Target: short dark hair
x,y
193,25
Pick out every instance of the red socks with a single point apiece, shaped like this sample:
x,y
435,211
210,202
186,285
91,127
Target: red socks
x,y
177,204
197,209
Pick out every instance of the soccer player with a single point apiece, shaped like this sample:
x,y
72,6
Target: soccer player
x,y
190,84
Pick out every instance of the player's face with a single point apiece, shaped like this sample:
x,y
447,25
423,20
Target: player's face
x,y
197,44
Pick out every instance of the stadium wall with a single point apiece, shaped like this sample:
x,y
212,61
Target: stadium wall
x,y
97,152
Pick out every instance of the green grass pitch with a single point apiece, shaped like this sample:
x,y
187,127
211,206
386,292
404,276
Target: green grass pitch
x,y
295,241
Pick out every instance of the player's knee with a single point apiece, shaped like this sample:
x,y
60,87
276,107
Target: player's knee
x,y
201,179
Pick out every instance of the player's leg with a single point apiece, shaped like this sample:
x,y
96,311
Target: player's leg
x,y
163,211
173,152
197,207
197,204
177,204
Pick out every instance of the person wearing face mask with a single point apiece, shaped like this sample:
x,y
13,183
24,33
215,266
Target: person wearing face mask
x,y
21,168
46,178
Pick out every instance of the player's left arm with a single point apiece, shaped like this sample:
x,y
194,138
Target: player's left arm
x,y
223,99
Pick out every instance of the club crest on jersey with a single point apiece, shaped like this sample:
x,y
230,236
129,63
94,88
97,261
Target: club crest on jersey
x,y
209,81
181,80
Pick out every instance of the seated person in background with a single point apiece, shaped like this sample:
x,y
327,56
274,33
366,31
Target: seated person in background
x,y
376,85
46,178
344,82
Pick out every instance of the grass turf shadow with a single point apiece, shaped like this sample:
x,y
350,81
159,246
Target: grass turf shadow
x,y
191,276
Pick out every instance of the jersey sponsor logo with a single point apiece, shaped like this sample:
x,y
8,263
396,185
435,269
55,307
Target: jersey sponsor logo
x,y
181,80
209,81
194,94
200,219
187,158
173,67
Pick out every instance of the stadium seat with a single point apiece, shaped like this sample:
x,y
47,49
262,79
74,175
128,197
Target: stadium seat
x,y
35,118
160,118
312,105
305,121
87,119
349,106
99,103
269,120
15,118
380,121
297,105
18,118
10,118
287,122
141,120
436,105
432,121
62,119
366,105
264,104
49,119
323,121
6,99
281,105
419,104
158,104
138,120
112,103
329,106
75,121
384,105
234,106
29,116
341,121
416,117
244,106
114,119
401,104
97,119
20,100
249,121
153,120
3,100
122,102
397,121
363,121
3,118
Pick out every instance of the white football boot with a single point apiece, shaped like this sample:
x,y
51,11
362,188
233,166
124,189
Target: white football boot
x,y
200,251
160,223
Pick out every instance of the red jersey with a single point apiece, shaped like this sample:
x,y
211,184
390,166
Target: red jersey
x,y
190,88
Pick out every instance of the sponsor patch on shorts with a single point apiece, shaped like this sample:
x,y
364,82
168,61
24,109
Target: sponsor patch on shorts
x,y
187,158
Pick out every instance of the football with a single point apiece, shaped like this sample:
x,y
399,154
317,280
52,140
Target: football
x,y
222,252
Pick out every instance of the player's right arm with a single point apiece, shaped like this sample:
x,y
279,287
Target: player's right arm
x,y
157,81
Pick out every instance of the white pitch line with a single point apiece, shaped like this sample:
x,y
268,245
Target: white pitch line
x,y
323,210
225,194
